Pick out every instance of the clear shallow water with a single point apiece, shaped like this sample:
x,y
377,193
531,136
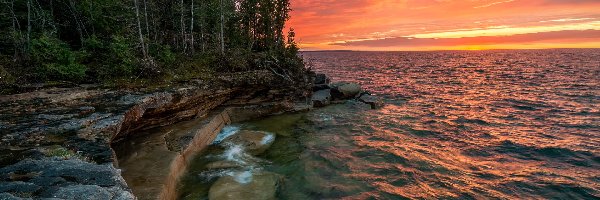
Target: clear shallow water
x,y
458,125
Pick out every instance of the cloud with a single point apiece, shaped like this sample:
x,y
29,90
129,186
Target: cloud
x,y
493,3
322,22
481,40
570,1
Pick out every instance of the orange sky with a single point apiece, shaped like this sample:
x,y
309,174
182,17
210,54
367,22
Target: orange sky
x,y
445,24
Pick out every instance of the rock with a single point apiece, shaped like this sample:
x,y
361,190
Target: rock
x,y
320,87
65,179
254,142
19,187
83,192
321,79
245,185
222,164
7,196
374,101
321,98
345,90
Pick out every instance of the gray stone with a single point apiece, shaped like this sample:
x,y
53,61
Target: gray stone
x,y
7,196
321,98
53,177
89,192
321,79
18,187
345,90
373,101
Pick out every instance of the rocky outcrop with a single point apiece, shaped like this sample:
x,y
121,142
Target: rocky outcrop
x,y
339,92
86,120
373,101
64,179
245,185
321,98
342,90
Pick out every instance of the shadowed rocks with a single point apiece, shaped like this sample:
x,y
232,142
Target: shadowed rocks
x,y
326,93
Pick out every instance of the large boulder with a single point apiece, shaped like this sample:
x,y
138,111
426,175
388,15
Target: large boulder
x,y
373,101
321,79
321,98
245,185
345,90
254,142
320,87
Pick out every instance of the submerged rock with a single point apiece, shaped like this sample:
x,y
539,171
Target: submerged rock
x,y
373,101
245,185
254,142
345,90
321,98
222,164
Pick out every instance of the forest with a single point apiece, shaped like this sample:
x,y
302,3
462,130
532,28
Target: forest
x,y
108,41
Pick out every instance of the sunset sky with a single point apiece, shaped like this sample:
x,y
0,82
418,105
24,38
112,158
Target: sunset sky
x,y
445,24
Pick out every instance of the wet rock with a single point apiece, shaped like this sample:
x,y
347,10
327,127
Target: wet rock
x,y
373,101
245,185
345,90
321,98
254,142
321,79
223,164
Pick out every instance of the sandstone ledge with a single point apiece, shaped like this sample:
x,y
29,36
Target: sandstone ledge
x,y
75,127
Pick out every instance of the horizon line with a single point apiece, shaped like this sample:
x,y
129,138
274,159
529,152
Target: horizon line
x,y
358,50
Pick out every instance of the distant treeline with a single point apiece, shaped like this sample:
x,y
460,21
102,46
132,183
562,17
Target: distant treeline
x,y
95,41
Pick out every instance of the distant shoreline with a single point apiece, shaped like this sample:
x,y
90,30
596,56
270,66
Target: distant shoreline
x,y
550,49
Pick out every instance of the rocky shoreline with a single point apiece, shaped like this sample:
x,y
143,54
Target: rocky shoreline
x,y
56,143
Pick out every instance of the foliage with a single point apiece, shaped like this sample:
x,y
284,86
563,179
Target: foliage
x,y
95,41
58,60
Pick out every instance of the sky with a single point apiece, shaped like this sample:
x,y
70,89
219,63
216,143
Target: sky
x,y
384,25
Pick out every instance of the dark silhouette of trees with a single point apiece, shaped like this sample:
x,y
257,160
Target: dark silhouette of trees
x,y
92,41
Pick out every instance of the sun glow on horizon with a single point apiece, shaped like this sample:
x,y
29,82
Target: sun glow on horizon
x,y
445,24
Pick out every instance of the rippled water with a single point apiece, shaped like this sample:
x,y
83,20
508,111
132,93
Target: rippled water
x,y
458,125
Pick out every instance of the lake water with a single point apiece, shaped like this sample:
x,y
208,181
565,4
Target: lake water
x,y
519,124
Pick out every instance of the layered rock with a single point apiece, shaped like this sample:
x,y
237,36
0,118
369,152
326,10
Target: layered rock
x,y
85,120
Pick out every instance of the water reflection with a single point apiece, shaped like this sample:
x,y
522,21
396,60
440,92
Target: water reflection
x,y
458,125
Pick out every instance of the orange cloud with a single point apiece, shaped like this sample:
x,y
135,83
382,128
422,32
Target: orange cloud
x,y
324,24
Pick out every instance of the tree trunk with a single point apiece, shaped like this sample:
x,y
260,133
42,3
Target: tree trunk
x,y
184,45
17,37
202,26
192,29
146,19
28,25
222,21
139,26
80,28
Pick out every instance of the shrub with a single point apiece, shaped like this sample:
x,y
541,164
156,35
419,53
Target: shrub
x,y
58,61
